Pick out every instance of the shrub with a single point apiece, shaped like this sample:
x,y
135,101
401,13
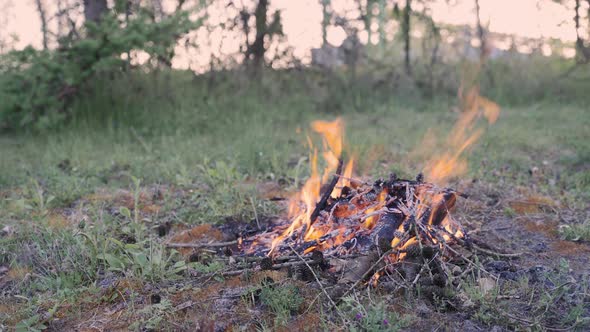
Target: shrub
x,y
37,86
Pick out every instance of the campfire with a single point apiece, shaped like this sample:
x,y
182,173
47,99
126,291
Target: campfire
x,y
361,230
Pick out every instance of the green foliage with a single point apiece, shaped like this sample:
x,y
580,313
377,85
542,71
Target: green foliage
x,y
153,315
575,232
283,301
59,260
37,87
134,259
31,324
371,317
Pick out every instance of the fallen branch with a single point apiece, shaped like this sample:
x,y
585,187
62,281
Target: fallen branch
x,y
476,244
202,245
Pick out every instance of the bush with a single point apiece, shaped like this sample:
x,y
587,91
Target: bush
x,y
38,86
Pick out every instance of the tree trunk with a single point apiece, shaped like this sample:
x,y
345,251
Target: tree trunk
x,y
326,21
382,22
158,9
43,17
365,16
406,35
94,9
582,51
179,5
480,33
60,20
257,49
580,54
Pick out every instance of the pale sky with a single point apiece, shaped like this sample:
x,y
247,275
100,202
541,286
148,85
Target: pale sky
x,y
301,19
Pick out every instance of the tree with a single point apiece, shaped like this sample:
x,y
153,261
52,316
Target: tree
x,y
406,35
480,33
158,9
256,50
382,21
94,10
582,51
325,20
41,10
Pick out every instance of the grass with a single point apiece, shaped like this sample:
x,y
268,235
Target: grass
x,y
80,205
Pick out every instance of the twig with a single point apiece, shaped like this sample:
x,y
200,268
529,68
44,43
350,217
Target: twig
x,y
480,249
201,245
289,264
493,253
255,213
422,268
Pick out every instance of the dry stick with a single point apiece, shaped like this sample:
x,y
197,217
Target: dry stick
x,y
201,245
319,283
322,203
419,238
278,259
424,265
288,264
444,243
480,249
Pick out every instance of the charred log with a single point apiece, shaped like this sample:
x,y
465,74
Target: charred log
x,y
322,203
384,231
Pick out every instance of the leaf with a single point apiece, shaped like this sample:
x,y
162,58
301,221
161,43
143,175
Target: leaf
x,y
49,199
114,262
125,212
141,259
179,267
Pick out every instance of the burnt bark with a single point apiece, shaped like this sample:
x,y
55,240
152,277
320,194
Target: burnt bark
x,y
322,203
384,231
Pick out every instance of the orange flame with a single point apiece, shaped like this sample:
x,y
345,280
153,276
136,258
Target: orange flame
x,y
451,162
303,203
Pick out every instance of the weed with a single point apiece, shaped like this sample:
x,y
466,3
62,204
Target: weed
x,y
372,317
31,324
153,315
145,260
575,232
283,301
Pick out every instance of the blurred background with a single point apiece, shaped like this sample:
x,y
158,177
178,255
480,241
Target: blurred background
x,y
181,82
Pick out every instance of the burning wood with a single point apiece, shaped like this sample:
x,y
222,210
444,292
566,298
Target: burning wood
x,y
378,215
381,223
388,227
